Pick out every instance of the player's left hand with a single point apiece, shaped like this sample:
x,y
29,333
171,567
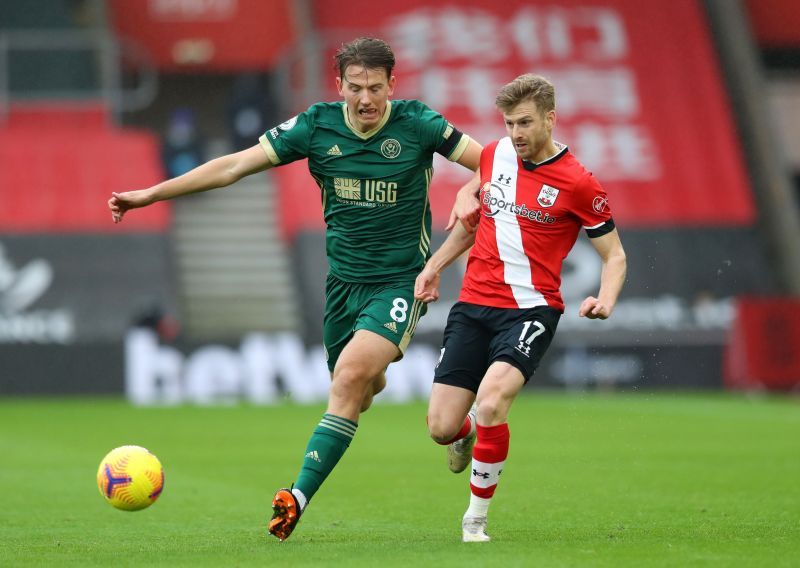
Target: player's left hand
x,y
426,287
592,308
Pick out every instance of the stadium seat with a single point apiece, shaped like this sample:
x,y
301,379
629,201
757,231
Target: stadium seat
x,y
59,165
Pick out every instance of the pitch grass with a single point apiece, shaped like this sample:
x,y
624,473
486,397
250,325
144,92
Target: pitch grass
x,y
592,480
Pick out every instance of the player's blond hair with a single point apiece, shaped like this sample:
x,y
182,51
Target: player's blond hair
x,y
527,87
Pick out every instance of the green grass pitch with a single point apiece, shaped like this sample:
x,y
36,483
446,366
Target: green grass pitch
x,y
591,480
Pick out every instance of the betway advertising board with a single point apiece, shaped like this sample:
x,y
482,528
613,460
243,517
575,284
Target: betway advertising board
x,y
74,319
668,331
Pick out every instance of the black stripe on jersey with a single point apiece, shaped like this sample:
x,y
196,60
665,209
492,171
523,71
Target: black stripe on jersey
x,y
530,166
603,229
449,143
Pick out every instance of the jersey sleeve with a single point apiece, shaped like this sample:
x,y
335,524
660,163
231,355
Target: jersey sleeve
x,y
591,207
290,140
439,135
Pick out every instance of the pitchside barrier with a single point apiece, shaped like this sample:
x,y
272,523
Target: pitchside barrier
x,y
68,325
269,369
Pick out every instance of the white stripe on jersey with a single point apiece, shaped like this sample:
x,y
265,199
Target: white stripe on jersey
x,y
517,266
595,226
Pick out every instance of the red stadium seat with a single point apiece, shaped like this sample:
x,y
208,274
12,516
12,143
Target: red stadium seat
x,y
58,167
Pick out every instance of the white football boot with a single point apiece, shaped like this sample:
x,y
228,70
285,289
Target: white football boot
x,y
473,529
459,453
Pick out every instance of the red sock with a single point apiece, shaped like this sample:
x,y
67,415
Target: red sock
x,y
466,428
488,459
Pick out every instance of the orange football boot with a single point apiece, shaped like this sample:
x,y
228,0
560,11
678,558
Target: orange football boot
x,y
286,514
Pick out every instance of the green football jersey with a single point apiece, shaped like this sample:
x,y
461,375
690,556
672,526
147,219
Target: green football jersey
x,y
374,185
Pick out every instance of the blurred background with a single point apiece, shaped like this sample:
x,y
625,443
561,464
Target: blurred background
x,y
688,111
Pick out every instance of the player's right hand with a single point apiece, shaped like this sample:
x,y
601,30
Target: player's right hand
x,y
122,202
466,209
426,287
593,308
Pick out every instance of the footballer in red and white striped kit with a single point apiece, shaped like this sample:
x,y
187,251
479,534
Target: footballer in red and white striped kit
x,y
531,216
521,216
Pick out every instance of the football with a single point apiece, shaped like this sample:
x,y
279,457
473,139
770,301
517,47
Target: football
x,y
130,478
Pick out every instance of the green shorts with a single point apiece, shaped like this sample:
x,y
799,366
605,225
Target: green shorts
x,y
389,310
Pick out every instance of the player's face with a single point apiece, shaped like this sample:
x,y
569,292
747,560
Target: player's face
x,y
365,91
530,130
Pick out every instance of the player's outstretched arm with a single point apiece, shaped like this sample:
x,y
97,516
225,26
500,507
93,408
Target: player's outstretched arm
x,y
426,287
612,277
220,172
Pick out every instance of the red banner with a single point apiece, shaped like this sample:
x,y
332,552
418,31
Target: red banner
x,y
775,23
220,35
639,95
764,347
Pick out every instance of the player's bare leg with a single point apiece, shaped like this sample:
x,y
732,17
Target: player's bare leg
x,y
499,388
447,409
451,422
359,373
376,386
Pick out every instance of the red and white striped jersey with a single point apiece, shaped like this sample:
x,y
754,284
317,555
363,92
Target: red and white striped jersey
x,y
531,216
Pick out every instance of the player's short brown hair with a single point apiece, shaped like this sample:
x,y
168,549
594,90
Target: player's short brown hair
x,y
527,87
368,52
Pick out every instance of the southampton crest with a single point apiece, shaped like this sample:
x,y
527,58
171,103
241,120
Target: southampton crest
x,y
600,203
547,196
390,148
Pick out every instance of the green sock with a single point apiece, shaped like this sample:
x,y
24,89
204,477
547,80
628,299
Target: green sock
x,y
327,445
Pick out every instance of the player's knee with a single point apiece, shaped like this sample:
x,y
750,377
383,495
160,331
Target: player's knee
x,y
441,430
349,381
492,410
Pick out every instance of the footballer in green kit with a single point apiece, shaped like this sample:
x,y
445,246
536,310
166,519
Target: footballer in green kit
x,y
374,190
372,159
374,185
